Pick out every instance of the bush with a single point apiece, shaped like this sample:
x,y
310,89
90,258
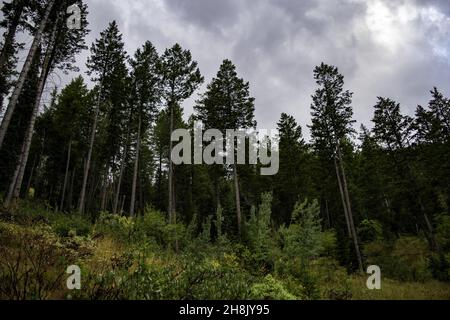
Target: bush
x,y
189,277
258,232
332,279
303,238
407,259
329,244
33,263
370,230
66,226
121,228
153,224
270,289
106,279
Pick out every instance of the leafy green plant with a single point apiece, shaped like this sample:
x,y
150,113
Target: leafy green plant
x,y
258,231
270,289
406,259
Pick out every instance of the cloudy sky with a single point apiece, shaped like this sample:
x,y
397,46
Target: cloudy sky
x,y
392,48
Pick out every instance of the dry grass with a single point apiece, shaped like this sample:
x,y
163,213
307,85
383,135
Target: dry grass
x,y
395,290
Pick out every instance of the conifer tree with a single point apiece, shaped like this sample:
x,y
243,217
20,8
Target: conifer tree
x,y
146,95
227,104
394,131
331,125
107,67
181,77
25,70
61,47
290,182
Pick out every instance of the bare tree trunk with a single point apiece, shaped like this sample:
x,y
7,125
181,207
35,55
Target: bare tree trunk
x,y
218,193
24,73
350,214
171,204
328,213
141,196
66,176
344,203
16,182
238,199
122,169
160,189
82,200
30,178
122,204
10,34
104,190
119,182
8,46
136,167
70,197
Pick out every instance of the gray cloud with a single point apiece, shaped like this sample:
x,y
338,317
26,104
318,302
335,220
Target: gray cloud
x,y
396,48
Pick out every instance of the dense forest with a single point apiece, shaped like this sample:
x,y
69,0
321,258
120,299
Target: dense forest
x,y
87,179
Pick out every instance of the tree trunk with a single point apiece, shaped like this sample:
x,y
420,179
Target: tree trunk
x,y
136,167
16,182
82,200
344,204
350,214
8,46
328,213
104,190
238,199
30,178
160,189
70,197
66,176
122,205
24,73
141,196
122,169
170,205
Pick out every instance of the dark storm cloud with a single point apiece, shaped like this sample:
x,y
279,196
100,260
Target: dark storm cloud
x,y
212,15
394,48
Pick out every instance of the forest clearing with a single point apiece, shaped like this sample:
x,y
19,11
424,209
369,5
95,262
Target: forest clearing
x,y
109,191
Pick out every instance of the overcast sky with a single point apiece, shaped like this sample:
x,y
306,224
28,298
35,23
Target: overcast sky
x,y
393,48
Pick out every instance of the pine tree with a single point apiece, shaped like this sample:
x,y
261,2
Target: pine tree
x,y
433,124
12,13
181,77
61,47
146,95
227,105
331,125
393,131
9,155
70,126
107,67
25,70
290,182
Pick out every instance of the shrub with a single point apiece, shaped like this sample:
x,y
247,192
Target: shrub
x,y
153,224
106,279
370,230
258,230
329,244
270,289
332,279
189,277
33,263
117,226
66,226
406,259
303,238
